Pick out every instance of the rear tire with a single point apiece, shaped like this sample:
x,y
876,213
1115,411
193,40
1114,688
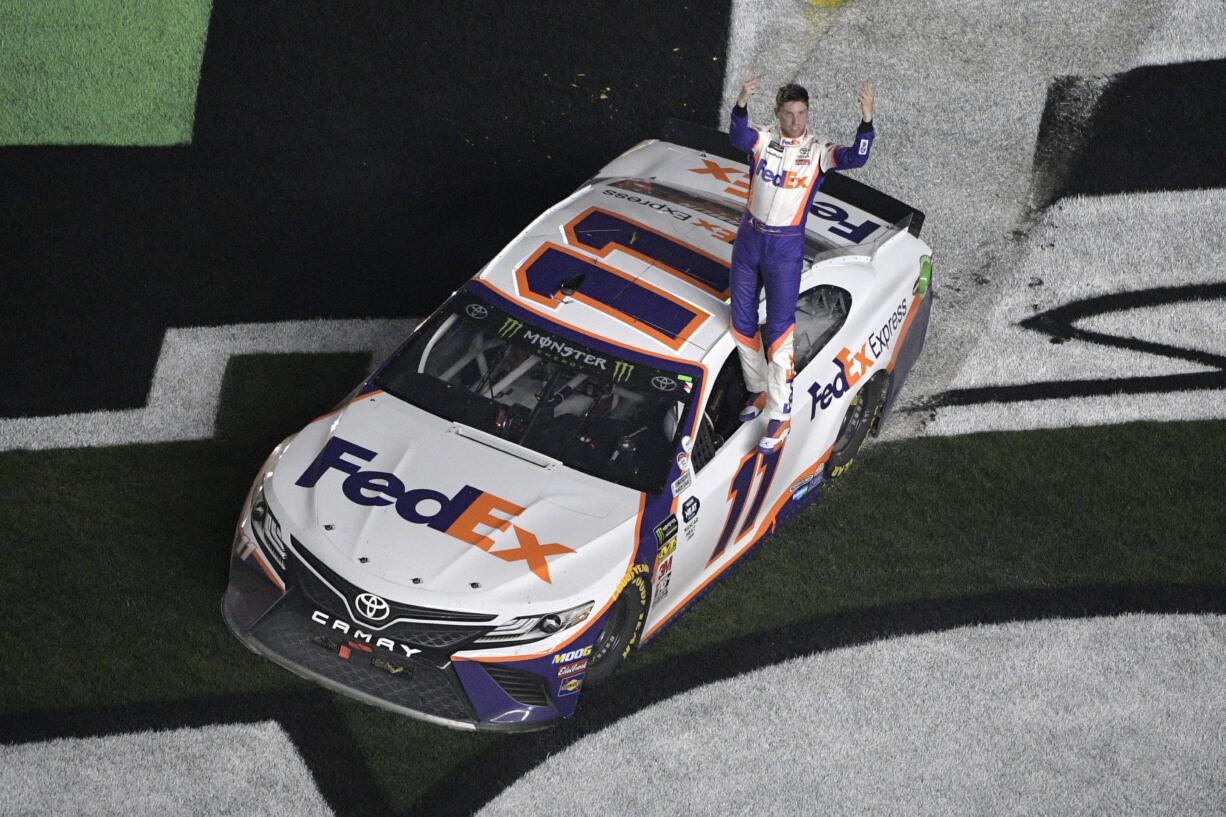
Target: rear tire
x,y
622,628
862,414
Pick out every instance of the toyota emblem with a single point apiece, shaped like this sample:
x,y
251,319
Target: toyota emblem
x,y
371,607
663,383
476,311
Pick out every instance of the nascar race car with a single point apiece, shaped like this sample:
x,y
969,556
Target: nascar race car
x,y
550,469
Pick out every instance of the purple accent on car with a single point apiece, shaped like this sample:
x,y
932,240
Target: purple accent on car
x,y
599,229
553,267
491,702
909,352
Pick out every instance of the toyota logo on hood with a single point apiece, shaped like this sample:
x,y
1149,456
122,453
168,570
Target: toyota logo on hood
x,y
371,607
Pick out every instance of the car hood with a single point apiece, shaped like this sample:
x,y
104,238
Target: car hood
x,y
411,506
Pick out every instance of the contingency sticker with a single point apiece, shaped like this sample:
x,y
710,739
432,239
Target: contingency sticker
x,y
689,513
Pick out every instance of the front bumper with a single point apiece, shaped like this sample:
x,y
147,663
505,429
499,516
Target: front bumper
x,y
308,630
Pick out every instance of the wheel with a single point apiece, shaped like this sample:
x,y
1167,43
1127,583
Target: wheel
x,y
862,413
622,628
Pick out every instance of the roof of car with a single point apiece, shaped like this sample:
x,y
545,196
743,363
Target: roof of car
x,y
640,255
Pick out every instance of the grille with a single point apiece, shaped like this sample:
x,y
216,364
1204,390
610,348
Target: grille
x,y
435,637
413,684
524,687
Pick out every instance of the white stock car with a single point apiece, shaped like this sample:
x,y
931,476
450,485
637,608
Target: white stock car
x,y
550,469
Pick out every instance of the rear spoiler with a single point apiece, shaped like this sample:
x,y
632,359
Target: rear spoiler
x,y
836,185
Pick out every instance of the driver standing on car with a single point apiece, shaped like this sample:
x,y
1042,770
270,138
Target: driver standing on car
x,y
787,164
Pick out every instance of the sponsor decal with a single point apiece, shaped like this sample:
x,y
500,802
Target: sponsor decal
x,y
371,607
571,686
622,371
664,383
666,537
572,668
666,532
658,206
737,182
863,147
361,639
509,327
477,311
843,226
459,516
804,485
722,233
664,576
563,350
689,509
787,179
803,161
853,365
682,483
775,146
572,655
683,461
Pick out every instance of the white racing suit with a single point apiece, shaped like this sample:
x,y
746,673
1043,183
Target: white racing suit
x,y
769,248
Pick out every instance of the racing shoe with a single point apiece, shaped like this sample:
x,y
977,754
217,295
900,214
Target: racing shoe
x,y
776,433
755,406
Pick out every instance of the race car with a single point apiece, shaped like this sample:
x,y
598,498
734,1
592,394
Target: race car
x,y
550,469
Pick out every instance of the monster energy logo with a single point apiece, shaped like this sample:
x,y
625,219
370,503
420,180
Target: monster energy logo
x,y
509,327
622,371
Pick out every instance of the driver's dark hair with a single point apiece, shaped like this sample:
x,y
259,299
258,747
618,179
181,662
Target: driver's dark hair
x,y
791,93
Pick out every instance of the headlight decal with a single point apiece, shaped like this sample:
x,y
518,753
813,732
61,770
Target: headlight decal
x,y
534,628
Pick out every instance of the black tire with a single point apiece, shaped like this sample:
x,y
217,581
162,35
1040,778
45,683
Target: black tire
x,y
622,628
862,414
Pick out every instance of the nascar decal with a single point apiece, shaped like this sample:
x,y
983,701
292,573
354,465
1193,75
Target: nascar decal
x,y
458,516
855,229
854,364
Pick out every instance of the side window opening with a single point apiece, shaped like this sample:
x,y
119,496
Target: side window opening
x,y
719,421
820,313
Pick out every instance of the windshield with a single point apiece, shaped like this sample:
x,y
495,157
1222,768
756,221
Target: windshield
x,y
614,418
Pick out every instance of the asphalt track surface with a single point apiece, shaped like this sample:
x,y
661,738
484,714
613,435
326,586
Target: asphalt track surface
x,y
972,135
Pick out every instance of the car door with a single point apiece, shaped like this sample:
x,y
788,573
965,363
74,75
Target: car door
x,y
721,507
734,489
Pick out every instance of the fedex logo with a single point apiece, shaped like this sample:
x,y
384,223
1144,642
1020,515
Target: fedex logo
x,y
853,365
786,179
841,221
461,516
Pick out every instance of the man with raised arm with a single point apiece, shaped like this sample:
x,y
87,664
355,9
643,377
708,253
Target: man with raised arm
x,y
787,164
